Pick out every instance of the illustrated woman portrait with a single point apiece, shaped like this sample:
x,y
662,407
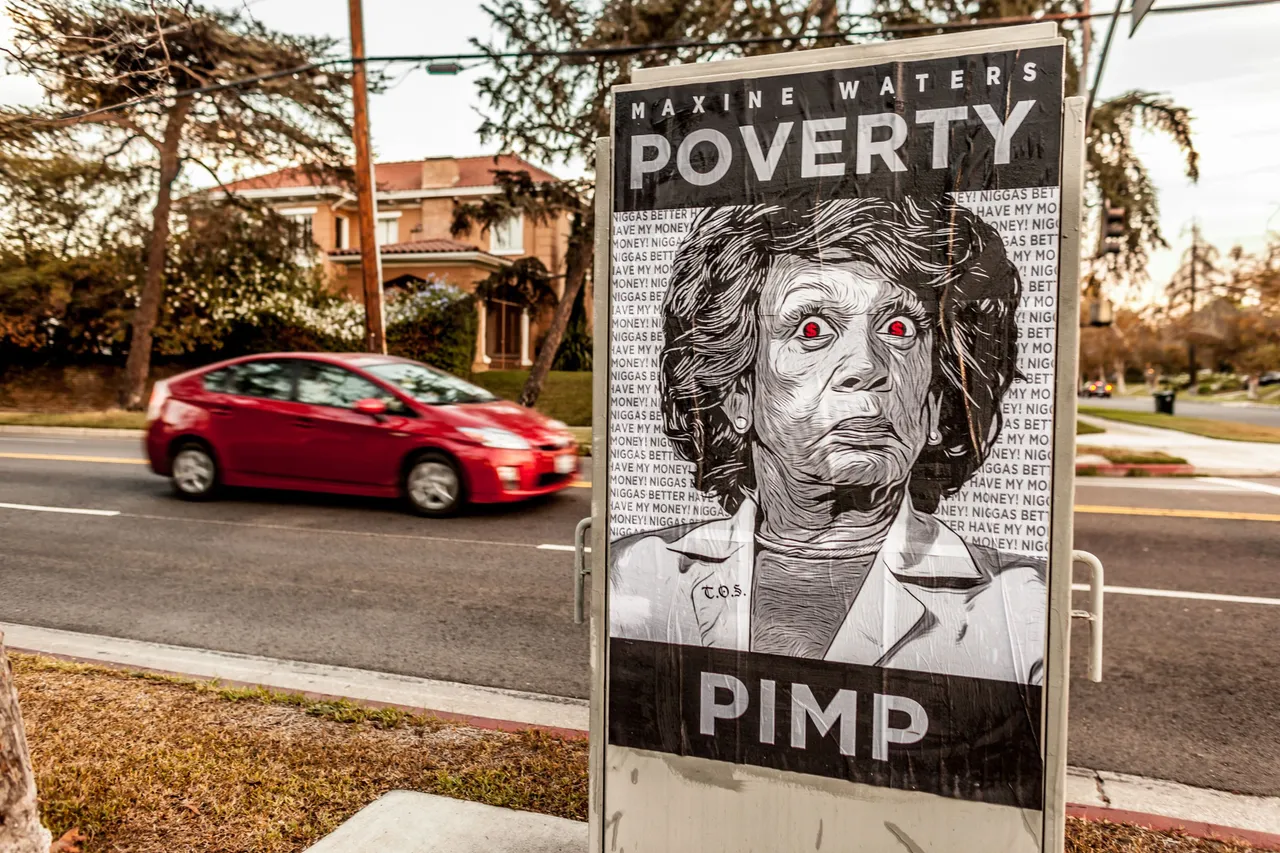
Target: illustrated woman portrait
x,y
832,375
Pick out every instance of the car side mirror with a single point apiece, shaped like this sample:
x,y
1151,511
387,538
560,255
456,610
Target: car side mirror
x,y
371,406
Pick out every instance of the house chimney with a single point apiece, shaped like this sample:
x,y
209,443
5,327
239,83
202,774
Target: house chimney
x,y
439,172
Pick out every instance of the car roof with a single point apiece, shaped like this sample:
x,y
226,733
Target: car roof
x,y
358,359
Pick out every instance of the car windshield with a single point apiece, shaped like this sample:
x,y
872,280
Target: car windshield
x,y
427,385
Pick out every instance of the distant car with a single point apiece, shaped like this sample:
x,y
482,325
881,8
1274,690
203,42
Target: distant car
x,y
1098,389
1271,377
352,424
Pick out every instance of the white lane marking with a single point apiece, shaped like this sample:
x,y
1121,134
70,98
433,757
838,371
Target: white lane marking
x,y
1246,486
548,547
39,440
69,510
1175,593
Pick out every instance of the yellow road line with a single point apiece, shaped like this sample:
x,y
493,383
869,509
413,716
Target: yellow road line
x,y
1176,513
55,457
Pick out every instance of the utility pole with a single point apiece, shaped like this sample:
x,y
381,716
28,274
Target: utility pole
x,y
375,339
1086,44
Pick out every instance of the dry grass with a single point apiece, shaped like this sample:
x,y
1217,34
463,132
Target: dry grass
x,y
1085,836
145,764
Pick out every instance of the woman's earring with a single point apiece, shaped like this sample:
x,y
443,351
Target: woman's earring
x,y
935,437
740,424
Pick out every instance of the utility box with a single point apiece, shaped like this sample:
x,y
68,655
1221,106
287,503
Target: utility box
x,y
836,309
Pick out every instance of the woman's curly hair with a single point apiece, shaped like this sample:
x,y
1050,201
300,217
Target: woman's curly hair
x,y
953,262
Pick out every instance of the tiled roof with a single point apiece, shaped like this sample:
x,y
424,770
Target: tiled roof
x,y
403,175
415,247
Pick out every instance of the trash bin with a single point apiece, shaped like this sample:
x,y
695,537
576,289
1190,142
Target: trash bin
x,y
1164,402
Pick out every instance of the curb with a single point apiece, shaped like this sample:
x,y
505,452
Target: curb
x,y
1135,470
1162,823
491,723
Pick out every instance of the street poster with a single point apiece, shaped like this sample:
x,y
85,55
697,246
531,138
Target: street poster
x,y
832,312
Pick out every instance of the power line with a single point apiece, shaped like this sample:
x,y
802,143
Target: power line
x,y
606,51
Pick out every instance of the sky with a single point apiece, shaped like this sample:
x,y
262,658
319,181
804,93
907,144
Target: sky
x,y
1223,65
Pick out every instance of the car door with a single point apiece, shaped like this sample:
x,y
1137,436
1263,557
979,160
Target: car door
x,y
252,412
338,444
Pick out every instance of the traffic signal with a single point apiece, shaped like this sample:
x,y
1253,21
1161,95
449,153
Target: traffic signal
x,y
1113,228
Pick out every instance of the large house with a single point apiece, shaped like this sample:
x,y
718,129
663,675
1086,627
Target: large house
x,y
415,201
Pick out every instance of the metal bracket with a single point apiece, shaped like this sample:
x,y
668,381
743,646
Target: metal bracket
x,y
1094,613
581,568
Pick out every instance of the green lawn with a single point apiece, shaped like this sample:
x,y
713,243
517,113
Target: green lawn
x,y
1083,428
110,419
565,396
1228,430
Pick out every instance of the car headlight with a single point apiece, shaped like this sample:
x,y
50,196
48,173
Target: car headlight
x,y
500,439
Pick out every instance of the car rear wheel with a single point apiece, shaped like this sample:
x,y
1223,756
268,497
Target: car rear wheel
x,y
433,486
195,472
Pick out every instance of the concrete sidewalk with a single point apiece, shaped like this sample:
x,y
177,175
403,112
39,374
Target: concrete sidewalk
x,y
1209,456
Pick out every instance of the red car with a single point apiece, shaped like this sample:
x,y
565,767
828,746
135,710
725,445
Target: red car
x,y
353,424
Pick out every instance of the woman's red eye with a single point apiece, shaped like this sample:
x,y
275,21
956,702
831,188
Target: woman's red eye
x,y
811,329
898,329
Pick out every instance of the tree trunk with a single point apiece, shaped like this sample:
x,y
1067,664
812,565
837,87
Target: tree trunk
x,y
1121,387
147,313
577,259
20,827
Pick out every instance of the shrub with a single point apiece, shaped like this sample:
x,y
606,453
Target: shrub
x,y
434,323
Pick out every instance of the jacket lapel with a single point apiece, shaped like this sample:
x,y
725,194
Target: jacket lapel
x,y
718,558
886,613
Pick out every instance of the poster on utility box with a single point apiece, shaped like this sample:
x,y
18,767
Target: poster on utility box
x,y
831,389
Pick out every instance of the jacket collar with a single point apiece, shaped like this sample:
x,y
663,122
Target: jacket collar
x,y
720,556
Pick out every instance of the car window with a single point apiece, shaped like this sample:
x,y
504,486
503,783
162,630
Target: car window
x,y
329,385
220,380
272,380
433,387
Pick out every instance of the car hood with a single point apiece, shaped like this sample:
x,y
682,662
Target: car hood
x,y
533,426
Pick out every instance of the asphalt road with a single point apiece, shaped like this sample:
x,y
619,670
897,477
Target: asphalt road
x,y
1190,690
1262,414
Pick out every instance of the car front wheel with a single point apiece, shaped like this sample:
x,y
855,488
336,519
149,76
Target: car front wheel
x,y
433,486
195,473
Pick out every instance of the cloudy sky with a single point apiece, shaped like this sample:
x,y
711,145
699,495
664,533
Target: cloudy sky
x,y
1222,64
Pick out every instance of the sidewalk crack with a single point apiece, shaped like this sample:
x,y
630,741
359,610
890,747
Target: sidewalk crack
x,y
1102,793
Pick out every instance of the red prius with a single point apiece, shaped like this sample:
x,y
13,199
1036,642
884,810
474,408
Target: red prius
x,y
352,424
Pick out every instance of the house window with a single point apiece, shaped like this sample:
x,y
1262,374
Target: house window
x,y
507,237
341,238
388,229
300,224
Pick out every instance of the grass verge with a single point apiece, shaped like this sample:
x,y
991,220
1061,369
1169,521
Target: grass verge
x,y
1120,456
1228,430
109,419
148,764
566,395
152,764
1083,428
